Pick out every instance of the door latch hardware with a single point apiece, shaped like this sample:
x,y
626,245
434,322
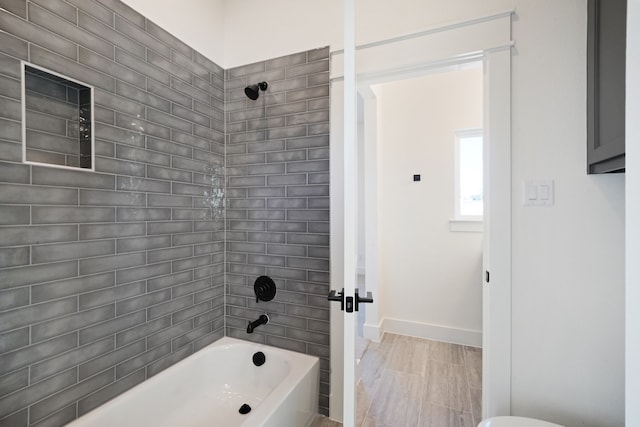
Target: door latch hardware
x,y
351,302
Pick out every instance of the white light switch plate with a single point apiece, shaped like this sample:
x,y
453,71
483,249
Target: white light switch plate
x,y
537,193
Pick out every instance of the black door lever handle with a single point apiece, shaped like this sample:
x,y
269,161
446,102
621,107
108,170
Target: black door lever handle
x,y
359,299
337,296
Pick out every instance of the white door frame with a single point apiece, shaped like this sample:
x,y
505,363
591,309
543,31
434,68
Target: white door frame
x,y
487,39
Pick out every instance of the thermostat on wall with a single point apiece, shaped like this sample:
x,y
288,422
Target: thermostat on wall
x,y
416,177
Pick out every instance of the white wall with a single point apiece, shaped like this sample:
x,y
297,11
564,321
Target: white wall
x,y
256,29
633,213
430,282
568,272
568,260
198,23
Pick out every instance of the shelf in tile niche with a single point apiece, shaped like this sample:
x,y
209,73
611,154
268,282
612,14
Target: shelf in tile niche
x,y
57,120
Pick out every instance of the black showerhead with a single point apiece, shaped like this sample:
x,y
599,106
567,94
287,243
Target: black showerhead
x,y
252,91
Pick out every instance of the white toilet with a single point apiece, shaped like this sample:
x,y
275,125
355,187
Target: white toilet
x,y
515,422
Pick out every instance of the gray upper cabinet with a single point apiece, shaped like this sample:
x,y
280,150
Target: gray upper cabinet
x,y
606,45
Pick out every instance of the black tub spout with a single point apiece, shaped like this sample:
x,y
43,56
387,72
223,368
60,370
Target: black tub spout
x,y
262,320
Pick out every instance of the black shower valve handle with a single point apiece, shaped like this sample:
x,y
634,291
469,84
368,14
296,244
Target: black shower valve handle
x,y
259,292
264,288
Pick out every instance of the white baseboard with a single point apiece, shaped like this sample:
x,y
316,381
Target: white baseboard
x,y
430,332
372,332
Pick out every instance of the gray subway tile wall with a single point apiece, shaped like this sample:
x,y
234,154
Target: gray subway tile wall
x,y
278,203
106,277
109,277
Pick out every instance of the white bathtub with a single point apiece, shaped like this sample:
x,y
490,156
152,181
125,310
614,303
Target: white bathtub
x,y
209,387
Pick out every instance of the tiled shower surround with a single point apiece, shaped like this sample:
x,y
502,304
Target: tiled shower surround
x,y
109,277
278,203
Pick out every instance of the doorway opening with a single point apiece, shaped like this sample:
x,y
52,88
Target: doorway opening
x,y
429,255
486,40
429,258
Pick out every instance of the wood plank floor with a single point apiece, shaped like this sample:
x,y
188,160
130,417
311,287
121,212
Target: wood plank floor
x,y
412,382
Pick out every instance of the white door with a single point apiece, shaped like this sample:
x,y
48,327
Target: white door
x,y
345,299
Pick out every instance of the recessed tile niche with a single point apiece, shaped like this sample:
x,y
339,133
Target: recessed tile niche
x,y
57,119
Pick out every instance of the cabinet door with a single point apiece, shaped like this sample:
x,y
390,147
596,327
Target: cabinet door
x,y
606,45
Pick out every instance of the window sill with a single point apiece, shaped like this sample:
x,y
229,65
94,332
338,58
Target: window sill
x,y
466,225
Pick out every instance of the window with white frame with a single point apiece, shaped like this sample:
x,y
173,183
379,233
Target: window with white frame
x,y
468,175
